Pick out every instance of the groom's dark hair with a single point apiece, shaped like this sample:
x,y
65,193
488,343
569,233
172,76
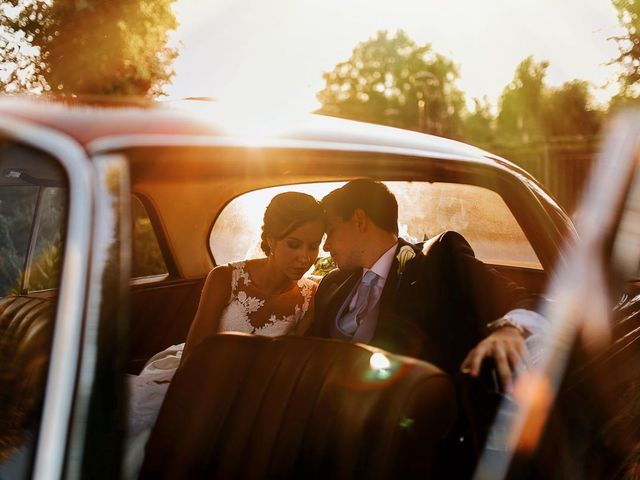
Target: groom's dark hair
x,y
372,196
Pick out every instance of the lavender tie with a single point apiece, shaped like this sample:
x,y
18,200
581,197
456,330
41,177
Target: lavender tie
x,y
350,320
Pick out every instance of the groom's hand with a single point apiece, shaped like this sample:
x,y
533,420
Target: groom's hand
x,y
506,346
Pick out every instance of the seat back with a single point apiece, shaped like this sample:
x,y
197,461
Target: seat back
x,y
243,406
161,314
26,326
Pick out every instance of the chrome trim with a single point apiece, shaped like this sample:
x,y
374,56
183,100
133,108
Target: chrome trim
x,y
65,348
102,241
149,279
35,229
109,144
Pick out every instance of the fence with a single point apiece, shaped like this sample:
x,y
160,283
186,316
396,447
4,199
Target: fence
x,y
562,165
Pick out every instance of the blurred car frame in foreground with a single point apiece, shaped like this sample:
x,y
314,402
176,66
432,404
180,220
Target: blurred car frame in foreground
x,y
112,214
591,351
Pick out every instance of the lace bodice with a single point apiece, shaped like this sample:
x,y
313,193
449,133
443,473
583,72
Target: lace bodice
x,y
249,310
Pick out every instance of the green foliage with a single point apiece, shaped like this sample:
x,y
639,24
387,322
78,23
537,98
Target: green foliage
x,y
531,111
10,261
73,47
17,206
629,48
520,116
394,81
568,111
479,125
323,266
147,258
45,270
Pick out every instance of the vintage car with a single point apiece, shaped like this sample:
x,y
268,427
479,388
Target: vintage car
x,y
113,212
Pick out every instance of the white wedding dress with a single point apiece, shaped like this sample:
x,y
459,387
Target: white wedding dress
x,y
248,310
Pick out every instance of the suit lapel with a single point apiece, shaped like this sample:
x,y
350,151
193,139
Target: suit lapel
x,y
388,297
336,294
392,285
394,331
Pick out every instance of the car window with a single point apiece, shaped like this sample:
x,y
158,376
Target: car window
x,y
17,208
147,259
33,211
44,267
425,210
479,214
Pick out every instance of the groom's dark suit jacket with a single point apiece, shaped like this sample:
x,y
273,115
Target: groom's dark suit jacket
x,y
436,308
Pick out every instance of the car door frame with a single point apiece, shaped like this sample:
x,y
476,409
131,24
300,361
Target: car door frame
x,y
62,398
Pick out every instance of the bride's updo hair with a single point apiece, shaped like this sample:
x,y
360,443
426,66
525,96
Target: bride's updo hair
x,y
286,212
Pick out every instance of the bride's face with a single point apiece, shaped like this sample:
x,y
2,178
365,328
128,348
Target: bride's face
x,y
295,253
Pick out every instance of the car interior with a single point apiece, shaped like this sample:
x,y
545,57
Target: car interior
x,y
217,221
196,233
312,403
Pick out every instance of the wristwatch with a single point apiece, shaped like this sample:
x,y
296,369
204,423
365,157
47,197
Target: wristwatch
x,y
505,321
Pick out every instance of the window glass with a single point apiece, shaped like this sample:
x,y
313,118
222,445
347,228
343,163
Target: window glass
x,y
44,268
147,259
478,214
236,232
17,207
425,210
33,211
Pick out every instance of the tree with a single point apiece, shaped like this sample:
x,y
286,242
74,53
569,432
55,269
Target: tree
x,y
568,111
520,106
73,47
629,47
479,124
394,81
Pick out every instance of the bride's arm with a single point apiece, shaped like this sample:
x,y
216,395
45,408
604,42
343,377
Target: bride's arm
x,y
213,300
306,321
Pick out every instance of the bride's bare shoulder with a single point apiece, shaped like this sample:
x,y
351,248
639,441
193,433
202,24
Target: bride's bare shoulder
x,y
218,275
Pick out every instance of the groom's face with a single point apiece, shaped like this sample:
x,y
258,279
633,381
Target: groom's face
x,y
343,241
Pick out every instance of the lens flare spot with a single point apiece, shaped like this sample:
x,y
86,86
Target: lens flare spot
x,y
379,361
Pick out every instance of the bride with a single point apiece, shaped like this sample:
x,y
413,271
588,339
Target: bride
x,y
266,296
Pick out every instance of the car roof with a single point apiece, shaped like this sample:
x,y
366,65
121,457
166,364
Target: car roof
x,y
113,125
101,124
89,120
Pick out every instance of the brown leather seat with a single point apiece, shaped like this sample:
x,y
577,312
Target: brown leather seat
x,y
26,325
21,316
243,406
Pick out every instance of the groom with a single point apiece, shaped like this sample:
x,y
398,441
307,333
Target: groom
x,y
436,302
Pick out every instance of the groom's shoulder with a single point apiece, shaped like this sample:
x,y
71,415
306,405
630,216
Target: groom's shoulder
x,y
446,240
330,283
335,276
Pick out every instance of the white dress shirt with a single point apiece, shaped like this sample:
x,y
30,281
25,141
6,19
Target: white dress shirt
x,y
365,331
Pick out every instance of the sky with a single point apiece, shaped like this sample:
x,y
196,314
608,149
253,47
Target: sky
x,y
273,52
